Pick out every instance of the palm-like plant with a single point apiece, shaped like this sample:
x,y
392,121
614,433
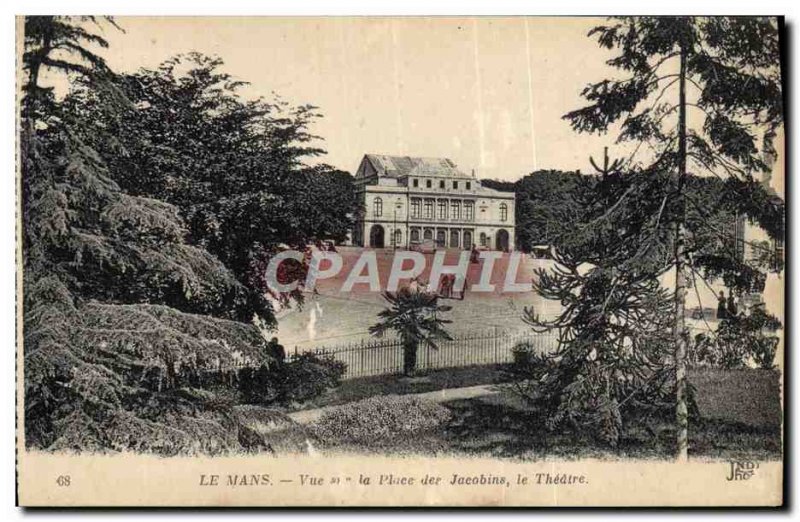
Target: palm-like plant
x,y
414,317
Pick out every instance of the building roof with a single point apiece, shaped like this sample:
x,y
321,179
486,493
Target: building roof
x,y
402,166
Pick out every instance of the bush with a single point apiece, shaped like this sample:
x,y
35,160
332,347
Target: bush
x,y
575,389
306,377
259,385
379,420
739,341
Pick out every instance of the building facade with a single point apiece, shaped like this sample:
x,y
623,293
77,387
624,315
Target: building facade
x,y
408,200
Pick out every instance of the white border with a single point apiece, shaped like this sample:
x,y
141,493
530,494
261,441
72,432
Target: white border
x,y
329,7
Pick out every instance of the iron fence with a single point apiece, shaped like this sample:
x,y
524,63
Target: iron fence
x,y
385,356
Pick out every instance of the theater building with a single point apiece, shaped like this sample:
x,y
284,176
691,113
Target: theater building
x,y
407,200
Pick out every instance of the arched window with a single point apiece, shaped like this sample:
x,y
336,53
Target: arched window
x,y
467,240
441,237
502,240
454,239
428,234
503,212
398,237
484,239
415,235
376,236
378,207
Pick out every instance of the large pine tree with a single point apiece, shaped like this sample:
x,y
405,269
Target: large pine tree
x,y
121,315
726,73
235,168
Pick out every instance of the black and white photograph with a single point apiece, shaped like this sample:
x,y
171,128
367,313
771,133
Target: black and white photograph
x,y
419,261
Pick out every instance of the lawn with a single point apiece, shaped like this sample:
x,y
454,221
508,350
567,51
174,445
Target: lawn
x,y
739,417
500,426
360,388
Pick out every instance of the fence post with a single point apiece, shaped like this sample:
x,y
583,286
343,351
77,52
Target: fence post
x,y
496,342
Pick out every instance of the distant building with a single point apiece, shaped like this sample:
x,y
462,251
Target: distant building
x,y
754,244
407,200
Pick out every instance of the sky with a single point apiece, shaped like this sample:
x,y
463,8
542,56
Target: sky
x,y
488,93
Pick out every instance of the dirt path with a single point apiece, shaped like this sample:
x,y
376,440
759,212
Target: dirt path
x,y
451,394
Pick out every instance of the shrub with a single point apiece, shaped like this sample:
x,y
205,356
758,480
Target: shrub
x,y
577,390
307,376
259,385
738,341
380,419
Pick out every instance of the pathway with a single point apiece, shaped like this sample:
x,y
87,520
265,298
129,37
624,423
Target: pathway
x,y
447,395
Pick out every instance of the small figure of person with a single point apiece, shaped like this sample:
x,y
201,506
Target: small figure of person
x,y
447,285
733,310
413,286
722,310
473,258
276,350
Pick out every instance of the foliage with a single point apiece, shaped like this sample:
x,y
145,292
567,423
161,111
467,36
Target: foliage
x,y
739,340
589,394
59,43
550,204
414,316
738,79
108,376
126,324
235,168
622,337
305,377
308,376
380,420
613,328
546,205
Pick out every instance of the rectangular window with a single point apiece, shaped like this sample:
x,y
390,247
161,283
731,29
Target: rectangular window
x,y
416,207
428,209
442,209
469,185
416,183
455,210
469,210
455,184
441,184
428,183
777,254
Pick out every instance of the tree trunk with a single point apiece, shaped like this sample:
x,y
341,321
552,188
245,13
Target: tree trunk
x,y
679,330
409,358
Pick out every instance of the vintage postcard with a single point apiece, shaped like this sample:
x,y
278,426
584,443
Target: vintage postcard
x,y
412,261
